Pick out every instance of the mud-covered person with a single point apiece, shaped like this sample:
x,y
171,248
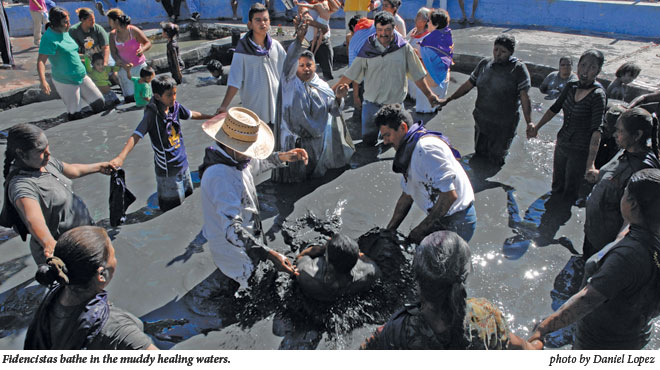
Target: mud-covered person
x,y
502,83
232,223
444,317
432,177
39,197
615,309
383,63
76,313
334,269
161,121
555,82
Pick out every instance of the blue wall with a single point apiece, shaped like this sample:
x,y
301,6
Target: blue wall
x,y
625,18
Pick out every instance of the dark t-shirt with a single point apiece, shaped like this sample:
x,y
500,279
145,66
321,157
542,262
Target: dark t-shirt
x,y
630,279
122,331
166,137
603,212
90,42
319,280
498,94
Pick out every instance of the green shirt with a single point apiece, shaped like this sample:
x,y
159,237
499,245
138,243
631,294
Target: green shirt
x,y
89,42
100,78
62,51
142,92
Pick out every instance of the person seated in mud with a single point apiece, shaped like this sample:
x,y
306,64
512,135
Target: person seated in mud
x,y
232,223
625,75
215,69
554,83
432,177
161,121
444,317
334,269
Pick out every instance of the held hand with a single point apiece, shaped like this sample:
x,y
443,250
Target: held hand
x,y
45,87
434,100
532,130
116,162
301,29
282,263
443,102
341,91
357,103
294,155
221,110
591,175
305,252
107,168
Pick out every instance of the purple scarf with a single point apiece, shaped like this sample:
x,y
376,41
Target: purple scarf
x,y
440,42
370,50
248,47
404,153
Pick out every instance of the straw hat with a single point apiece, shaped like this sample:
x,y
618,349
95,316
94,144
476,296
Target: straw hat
x,y
241,130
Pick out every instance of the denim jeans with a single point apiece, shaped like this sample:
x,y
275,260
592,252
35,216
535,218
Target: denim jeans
x,y
462,222
369,128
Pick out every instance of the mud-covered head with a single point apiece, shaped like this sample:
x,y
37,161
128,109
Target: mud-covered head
x,y
640,204
343,253
589,66
628,71
565,66
503,47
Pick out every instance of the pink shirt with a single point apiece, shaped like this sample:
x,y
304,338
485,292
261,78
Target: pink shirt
x,y
127,50
34,8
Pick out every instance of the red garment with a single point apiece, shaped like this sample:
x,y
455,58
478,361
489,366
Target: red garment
x,y
363,24
419,36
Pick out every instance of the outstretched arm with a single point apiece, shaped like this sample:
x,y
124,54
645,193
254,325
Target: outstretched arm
x,y
118,161
462,90
30,211
76,170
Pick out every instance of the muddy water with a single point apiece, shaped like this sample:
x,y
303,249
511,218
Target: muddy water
x,y
167,278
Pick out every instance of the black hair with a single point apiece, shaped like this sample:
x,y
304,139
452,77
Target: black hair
x,y
256,8
440,18
161,84
118,15
596,54
84,13
56,17
441,265
506,40
214,66
80,252
396,4
170,29
307,54
384,18
343,253
644,187
97,56
146,72
353,21
628,68
566,58
23,136
391,115
638,119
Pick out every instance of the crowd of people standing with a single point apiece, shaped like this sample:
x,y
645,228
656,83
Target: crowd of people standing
x,y
291,123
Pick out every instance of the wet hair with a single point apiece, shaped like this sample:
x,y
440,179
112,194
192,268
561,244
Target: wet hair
x,y
78,255
384,18
441,265
343,253
396,4
56,17
307,54
23,136
596,54
170,29
644,187
97,56
84,13
424,12
161,84
508,41
146,72
214,66
628,68
566,58
118,15
391,115
440,18
638,119
256,8
353,21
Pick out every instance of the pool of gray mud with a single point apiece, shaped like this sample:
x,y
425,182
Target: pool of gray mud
x,y
166,275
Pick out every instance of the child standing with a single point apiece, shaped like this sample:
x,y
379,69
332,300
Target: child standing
x,y
39,16
100,74
171,32
142,86
161,122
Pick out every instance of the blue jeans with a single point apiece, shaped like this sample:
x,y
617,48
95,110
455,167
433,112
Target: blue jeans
x,y
369,128
462,223
194,6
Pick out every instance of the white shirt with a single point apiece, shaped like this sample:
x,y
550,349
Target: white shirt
x,y
433,169
257,78
400,24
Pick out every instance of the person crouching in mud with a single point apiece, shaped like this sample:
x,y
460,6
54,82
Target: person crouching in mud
x,y
232,225
335,269
432,177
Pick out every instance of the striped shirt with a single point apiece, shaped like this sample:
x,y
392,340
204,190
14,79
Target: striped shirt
x,y
581,119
